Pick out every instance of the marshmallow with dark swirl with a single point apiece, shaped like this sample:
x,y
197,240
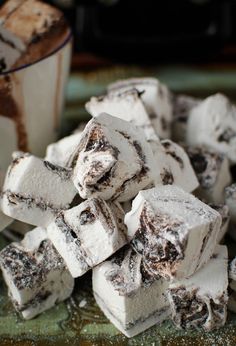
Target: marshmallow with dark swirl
x,y
172,165
35,190
213,124
156,98
213,173
35,274
201,300
113,160
126,105
59,153
29,31
125,295
88,234
174,232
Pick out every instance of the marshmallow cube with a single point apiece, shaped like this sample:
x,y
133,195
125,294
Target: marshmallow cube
x,y
127,299
175,232
182,106
24,23
212,124
88,234
213,173
4,219
177,168
59,153
35,274
112,161
126,105
35,190
156,98
201,300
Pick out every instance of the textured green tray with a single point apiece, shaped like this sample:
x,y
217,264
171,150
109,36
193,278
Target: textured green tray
x,y
70,324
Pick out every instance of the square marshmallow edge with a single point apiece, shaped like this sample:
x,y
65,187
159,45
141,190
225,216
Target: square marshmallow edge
x,y
88,234
156,98
174,231
4,219
113,160
213,172
182,106
201,300
172,165
59,153
29,190
126,105
35,274
126,299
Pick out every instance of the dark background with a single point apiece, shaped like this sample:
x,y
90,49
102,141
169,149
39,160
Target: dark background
x,y
153,30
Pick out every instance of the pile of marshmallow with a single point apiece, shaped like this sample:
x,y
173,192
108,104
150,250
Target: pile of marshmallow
x,y
146,214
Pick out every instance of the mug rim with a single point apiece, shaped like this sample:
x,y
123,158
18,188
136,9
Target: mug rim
x,y
22,67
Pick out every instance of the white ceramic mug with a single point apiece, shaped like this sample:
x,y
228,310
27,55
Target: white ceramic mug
x,y
31,103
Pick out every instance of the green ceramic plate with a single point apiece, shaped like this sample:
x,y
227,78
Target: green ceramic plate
x,y
79,321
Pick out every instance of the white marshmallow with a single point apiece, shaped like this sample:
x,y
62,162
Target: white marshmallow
x,y
113,160
35,274
88,234
213,173
130,302
60,152
126,105
22,22
174,231
156,98
4,219
230,200
182,105
35,191
201,300
213,124
177,168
